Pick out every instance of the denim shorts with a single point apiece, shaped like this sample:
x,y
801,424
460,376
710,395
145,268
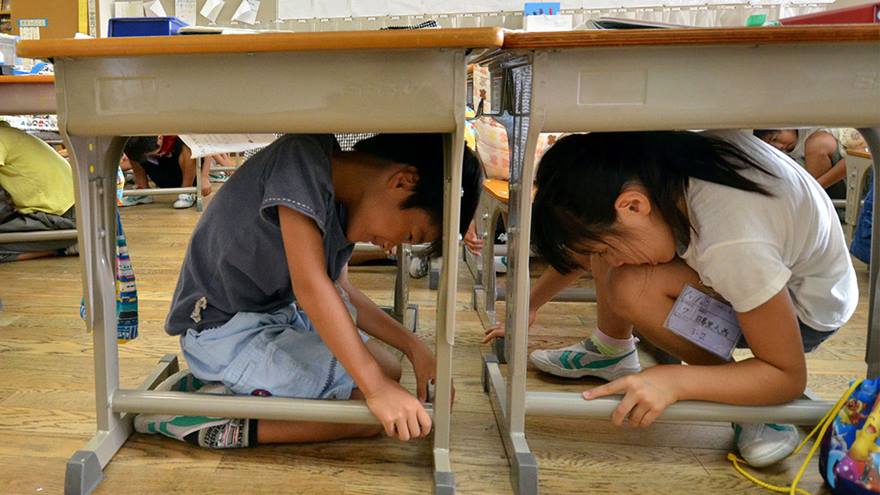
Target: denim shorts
x,y
811,337
278,353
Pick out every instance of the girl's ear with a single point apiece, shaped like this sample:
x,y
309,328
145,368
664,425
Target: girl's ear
x,y
405,178
632,203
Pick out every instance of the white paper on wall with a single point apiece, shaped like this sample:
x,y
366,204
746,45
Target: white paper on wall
x,y
368,8
405,7
631,4
487,6
29,33
154,8
247,11
295,9
128,9
215,144
544,23
603,4
185,10
331,8
212,9
445,7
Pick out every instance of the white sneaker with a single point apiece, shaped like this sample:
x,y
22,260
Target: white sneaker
x,y
501,264
135,200
765,444
582,359
419,266
185,201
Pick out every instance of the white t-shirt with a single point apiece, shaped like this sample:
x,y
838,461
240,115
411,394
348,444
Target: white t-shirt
x,y
748,246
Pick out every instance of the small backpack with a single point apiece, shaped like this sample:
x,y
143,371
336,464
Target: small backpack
x,y
849,459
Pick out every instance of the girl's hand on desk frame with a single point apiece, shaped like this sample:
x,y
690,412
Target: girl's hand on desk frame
x,y
645,396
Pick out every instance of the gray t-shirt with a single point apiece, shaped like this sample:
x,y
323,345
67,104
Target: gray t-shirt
x,y
235,260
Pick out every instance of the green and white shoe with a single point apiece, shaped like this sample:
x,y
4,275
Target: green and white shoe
x,y
178,427
583,359
765,444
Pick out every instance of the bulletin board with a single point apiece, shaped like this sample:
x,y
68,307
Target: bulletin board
x,y
48,19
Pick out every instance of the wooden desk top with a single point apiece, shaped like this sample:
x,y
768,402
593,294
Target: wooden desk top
x,y
266,42
47,79
694,36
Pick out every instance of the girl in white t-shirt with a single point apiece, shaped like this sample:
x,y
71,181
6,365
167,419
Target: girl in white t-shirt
x,y
651,213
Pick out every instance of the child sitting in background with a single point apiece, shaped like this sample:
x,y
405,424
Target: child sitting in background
x,y
817,150
168,162
264,306
721,212
36,194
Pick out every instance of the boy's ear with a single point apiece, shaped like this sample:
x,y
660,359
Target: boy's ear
x,y
405,178
633,202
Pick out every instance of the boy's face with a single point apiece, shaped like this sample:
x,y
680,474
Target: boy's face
x,y
785,140
379,219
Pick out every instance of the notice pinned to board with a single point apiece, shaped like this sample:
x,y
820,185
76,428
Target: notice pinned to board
x,y
128,9
29,33
185,10
154,8
295,9
247,12
215,144
211,9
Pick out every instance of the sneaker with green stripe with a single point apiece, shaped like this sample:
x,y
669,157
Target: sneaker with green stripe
x,y
178,427
583,359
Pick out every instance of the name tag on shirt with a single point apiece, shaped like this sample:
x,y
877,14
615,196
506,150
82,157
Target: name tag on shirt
x,y
705,321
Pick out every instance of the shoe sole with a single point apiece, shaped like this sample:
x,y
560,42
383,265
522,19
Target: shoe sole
x,y
772,458
605,374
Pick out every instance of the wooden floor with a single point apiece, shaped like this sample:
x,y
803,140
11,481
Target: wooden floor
x,y
47,401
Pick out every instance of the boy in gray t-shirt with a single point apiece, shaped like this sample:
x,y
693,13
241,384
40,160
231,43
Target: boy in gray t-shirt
x,y
263,305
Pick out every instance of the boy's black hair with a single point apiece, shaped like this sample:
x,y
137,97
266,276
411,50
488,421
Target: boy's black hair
x,y
581,176
765,133
425,152
137,147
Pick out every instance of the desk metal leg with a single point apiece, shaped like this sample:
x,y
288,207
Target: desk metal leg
x,y
444,481
872,353
199,197
510,405
96,224
406,313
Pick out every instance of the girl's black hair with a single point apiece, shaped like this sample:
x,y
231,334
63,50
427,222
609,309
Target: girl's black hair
x,y
582,175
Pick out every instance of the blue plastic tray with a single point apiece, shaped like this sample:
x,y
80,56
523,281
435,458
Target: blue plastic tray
x,y
144,26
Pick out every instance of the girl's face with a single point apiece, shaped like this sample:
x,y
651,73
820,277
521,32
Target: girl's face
x,y
642,236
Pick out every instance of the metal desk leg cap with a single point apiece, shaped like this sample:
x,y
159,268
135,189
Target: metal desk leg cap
x,y
444,483
83,473
524,474
433,279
